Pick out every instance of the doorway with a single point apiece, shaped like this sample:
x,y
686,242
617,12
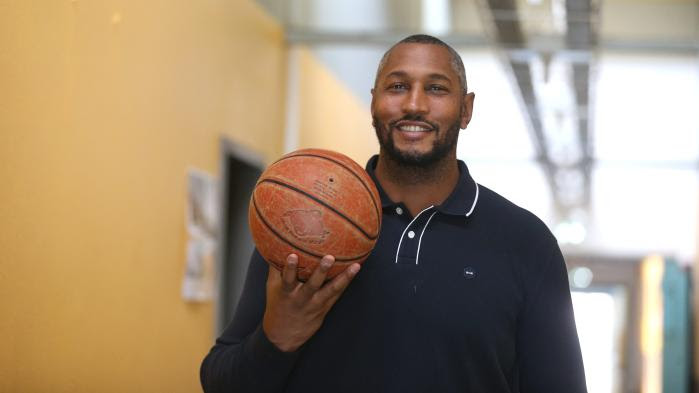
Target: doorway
x,y
606,301
240,170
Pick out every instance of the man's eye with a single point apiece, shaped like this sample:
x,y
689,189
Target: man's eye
x,y
398,86
437,88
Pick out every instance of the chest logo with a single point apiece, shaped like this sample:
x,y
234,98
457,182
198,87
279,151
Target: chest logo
x,y
469,273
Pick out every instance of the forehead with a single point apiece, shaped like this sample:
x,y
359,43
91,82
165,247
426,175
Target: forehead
x,y
419,59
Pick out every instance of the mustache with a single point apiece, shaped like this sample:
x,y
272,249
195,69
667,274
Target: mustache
x,y
393,123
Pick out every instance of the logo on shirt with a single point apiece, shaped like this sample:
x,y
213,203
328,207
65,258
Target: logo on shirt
x,y
469,273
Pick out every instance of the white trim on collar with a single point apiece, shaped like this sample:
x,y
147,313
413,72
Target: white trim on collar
x,y
474,200
419,243
406,228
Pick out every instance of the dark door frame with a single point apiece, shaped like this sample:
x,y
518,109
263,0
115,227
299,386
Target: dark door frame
x,y
229,150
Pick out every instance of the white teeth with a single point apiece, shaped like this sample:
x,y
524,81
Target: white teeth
x,y
413,128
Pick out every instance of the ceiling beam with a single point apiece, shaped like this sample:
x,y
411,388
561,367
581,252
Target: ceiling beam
x,y
507,33
581,35
532,47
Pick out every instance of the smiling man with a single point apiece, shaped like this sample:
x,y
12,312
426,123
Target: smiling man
x,y
464,292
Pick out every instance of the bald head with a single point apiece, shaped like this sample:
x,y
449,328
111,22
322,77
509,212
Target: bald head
x,y
425,39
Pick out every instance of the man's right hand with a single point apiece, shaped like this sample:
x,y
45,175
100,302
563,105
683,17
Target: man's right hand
x,y
295,310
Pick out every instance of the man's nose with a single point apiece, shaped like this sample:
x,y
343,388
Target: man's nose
x,y
416,102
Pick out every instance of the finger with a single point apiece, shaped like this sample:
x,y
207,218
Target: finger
x,y
274,276
332,290
289,280
310,287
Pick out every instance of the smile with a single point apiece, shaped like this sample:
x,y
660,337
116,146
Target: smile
x,y
414,126
410,128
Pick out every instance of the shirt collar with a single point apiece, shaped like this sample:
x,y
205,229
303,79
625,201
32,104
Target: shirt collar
x,y
461,202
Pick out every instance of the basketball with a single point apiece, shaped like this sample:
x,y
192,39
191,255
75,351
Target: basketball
x,y
313,203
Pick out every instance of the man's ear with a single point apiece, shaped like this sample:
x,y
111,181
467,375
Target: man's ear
x,y
467,109
373,96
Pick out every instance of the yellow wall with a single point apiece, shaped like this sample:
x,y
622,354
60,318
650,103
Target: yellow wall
x,y
331,117
103,106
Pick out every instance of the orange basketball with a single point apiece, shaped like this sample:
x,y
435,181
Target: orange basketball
x,y
312,203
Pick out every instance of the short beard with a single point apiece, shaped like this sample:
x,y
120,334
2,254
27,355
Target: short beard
x,y
440,149
412,168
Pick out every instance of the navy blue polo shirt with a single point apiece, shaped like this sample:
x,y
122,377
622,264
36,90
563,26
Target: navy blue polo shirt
x,y
468,296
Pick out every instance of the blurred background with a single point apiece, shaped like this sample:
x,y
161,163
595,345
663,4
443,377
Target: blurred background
x,y
131,133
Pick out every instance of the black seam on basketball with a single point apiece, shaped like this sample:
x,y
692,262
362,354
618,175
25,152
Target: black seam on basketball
x,y
376,207
285,240
304,193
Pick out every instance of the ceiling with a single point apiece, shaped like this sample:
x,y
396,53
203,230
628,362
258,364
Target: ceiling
x,y
585,110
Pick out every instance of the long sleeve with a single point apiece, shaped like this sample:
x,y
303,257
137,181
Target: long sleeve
x,y
549,354
243,359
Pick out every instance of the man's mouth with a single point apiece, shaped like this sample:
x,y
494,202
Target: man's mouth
x,y
413,126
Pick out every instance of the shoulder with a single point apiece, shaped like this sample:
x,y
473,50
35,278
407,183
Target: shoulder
x,y
517,226
529,245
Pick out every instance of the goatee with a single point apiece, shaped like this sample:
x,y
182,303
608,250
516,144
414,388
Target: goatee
x,y
440,148
411,167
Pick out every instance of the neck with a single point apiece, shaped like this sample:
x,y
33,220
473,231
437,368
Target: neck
x,y
418,187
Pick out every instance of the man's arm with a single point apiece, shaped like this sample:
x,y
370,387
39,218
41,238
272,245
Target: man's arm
x,y
243,359
275,317
549,354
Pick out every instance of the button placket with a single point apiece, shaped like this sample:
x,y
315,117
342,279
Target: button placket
x,y
408,245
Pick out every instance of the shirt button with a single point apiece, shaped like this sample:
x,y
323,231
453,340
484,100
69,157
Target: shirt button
x,y
399,211
411,234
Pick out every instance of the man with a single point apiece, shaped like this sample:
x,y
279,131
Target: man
x,y
464,292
